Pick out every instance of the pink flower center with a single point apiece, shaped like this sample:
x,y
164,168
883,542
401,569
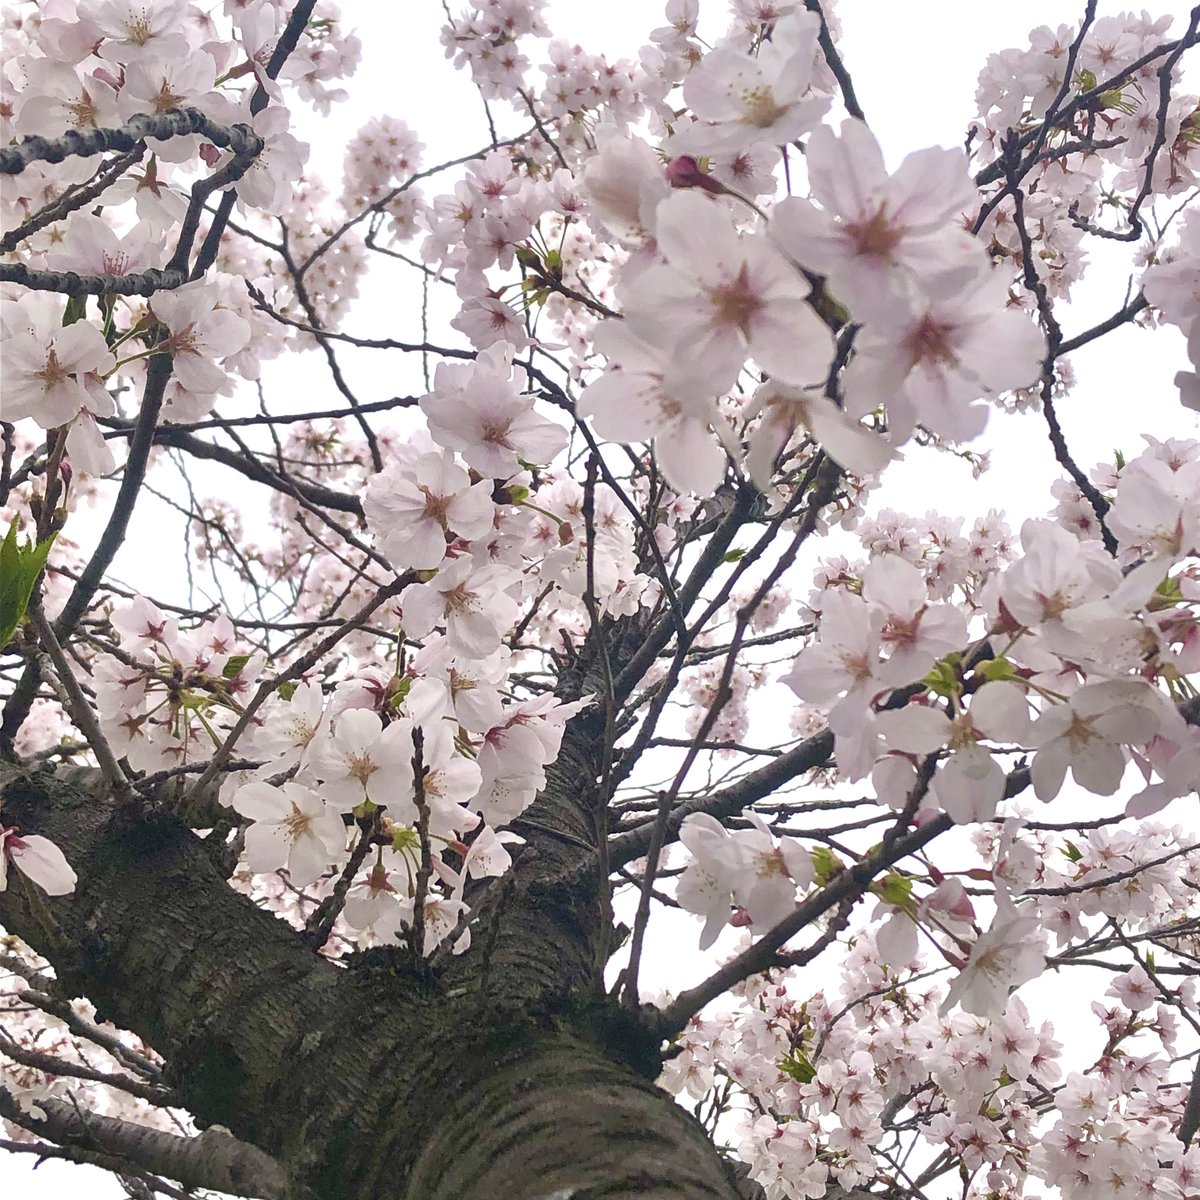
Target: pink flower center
x,y
736,302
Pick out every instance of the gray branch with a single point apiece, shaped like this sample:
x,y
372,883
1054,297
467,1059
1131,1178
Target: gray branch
x,y
215,1159
174,122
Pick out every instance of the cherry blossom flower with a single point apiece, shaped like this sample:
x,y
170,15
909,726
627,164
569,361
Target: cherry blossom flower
x,y
648,393
929,361
722,296
706,885
970,783
46,363
1135,989
373,901
416,508
288,728
771,871
138,29
624,183
470,601
786,409
481,412
877,231
293,828
267,185
1086,734
745,100
845,660
1009,954
362,760
56,98
200,333
916,631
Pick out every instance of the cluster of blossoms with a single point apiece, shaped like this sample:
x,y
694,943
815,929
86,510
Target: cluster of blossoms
x,y
1119,125
750,869
937,330
171,696
354,757
819,1075
1172,285
962,652
84,65
42,1034
1016,659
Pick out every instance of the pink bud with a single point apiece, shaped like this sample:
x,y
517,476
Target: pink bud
x,y
683,171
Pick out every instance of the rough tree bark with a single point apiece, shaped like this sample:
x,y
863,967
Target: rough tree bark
x,y
506,1074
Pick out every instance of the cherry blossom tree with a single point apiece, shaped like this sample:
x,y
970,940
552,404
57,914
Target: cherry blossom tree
x,y
341,814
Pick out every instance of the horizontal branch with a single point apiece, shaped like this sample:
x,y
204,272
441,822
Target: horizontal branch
x,y
215,1159
249,466
173,123
851,882
812,752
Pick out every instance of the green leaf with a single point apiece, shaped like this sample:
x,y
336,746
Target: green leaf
x,y
826,864
732,556
75,310
20,566
996,669
405,838
895,889
1072,851
233,668
797,1067
1169,590
528,258
943,679
403,686
287,689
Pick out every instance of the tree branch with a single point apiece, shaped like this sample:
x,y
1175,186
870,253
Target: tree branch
x,y
215,1159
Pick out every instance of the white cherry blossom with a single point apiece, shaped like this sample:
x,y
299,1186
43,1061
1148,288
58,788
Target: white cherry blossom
x,y
293,827
722,296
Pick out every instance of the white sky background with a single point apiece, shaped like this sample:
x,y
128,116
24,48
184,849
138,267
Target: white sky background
x,y
914,68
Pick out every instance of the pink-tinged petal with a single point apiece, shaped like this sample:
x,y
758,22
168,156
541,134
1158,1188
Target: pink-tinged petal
x,y
805,233
267,847
1099,768
356,730
790,342
40,860
81,348
1000,710
690,458
307,861
1048,771
852,447
895,585
914,728
87,449
260,802
846,174
896,940
970,785
624,405
697,237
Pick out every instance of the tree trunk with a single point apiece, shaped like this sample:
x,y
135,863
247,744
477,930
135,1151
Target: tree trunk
x,y
507,1075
